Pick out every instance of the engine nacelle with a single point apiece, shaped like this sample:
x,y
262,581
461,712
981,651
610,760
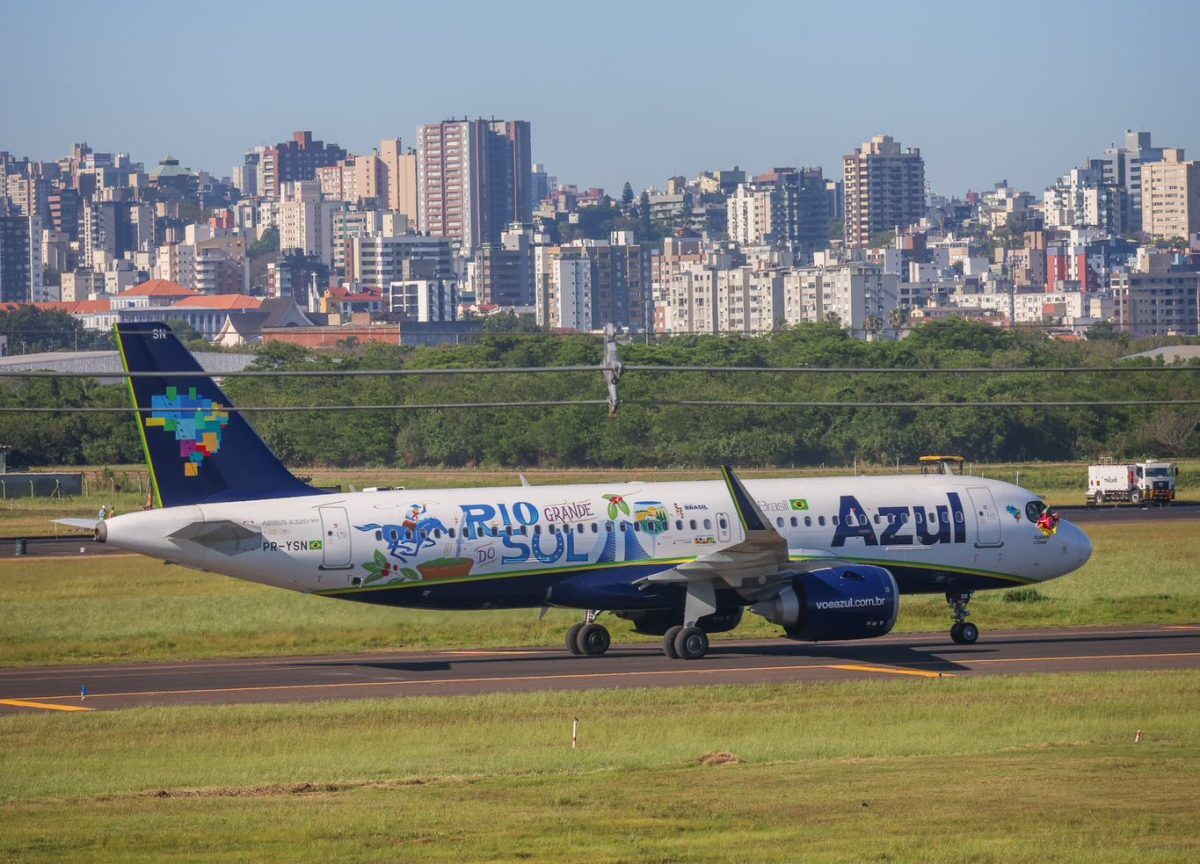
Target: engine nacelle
x,y
844,602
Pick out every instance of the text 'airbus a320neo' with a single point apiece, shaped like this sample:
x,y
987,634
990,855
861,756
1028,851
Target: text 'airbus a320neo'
x,y
826,559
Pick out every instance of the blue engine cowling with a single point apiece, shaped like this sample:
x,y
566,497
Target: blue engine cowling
x,y
849,601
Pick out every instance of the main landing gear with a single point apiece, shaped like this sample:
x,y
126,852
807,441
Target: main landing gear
x,y
587,638
963,632
688,641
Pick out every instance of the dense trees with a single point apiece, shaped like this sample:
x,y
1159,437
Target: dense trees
x,y
660,434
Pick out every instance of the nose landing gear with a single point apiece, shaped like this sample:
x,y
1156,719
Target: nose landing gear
x,y
963,632
587,638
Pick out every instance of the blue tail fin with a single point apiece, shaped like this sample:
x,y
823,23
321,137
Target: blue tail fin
x,y
196,449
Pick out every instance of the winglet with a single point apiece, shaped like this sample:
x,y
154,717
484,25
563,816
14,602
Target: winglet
x,y
748,512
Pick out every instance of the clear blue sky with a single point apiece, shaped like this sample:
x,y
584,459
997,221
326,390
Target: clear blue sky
x,y
614,90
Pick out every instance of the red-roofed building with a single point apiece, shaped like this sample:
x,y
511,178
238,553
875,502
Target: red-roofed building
x,y
156,292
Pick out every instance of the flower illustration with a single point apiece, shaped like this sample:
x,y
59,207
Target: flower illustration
x,y
381,569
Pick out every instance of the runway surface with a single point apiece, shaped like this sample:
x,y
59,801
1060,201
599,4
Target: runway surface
x,y
357,676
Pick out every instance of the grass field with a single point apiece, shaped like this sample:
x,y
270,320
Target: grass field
x,y
124,486
1005,769
130,608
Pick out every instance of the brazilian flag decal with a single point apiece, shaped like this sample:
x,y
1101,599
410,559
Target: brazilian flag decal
x,y
316,545
798,503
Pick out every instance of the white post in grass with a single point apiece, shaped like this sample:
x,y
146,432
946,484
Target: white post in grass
x,y
575,733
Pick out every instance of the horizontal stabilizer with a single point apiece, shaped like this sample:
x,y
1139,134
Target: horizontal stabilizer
x,y
84,524
220,535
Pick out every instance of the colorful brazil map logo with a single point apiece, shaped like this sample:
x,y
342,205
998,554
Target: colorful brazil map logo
x,y
196,422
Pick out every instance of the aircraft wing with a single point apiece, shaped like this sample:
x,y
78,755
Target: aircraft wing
x,y
756,563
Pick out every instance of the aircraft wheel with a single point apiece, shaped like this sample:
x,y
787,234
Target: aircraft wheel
x,y
969,633
956,633
691,643
668,641
573,638
592,640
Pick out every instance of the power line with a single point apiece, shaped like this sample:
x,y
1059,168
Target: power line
x,y
541,370
689,403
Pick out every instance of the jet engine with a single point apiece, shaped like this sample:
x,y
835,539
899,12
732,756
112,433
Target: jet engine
x,y
848,601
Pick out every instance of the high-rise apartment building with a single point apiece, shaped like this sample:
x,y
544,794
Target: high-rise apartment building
x,y
20,259
298,159
884,189
1170,197
399,171
473,178
785,205
504,271
377,261
1122,167
564,288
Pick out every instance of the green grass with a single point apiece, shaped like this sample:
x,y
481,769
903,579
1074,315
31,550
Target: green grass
x,y
1005,769
103,609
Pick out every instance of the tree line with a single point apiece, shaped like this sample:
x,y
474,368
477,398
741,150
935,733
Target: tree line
x,y
648,435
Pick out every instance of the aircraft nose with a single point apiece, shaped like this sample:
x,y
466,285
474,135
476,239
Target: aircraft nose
x,y
1079,545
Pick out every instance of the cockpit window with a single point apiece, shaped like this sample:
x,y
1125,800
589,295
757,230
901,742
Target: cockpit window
x,y
1034,510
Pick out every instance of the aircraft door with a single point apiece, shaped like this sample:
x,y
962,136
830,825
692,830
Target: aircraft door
x,y
335,528
987,520
722,527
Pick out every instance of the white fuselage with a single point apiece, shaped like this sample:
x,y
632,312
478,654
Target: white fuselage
x,y
492,547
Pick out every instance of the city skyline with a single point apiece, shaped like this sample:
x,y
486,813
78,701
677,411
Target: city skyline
x,y
595,121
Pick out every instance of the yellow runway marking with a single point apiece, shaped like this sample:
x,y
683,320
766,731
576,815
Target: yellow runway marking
x,y
921,673
577,676
22,703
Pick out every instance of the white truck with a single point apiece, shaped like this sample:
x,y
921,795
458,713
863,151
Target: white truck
x,y
1131,482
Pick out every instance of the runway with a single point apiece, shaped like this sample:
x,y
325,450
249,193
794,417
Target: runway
x,y
399,674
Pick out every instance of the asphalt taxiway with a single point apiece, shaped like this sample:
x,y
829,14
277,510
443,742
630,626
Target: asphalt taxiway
x,y
398,674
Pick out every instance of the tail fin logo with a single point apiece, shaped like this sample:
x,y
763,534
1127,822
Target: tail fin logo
x,y
196,421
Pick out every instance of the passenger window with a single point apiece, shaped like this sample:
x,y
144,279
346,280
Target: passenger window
x,y
958,517
378,535
707,524
795,522
508,530
835,519
450,532
537,529
624,526
723,524
821,521
579,528
608,527
595,528
932,518
807,521
637,526
424,533
553,528
692,524
678,524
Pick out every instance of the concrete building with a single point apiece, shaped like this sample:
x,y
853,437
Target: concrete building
x,y
1156,298
399,172
563,288
504,271
423,300
1083,199
856,296
290,161
1122,167
306,220
884,189
379,261
620,281
473,179
1170,198
20,259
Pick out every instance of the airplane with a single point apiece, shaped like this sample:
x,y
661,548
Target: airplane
x,y
824,558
